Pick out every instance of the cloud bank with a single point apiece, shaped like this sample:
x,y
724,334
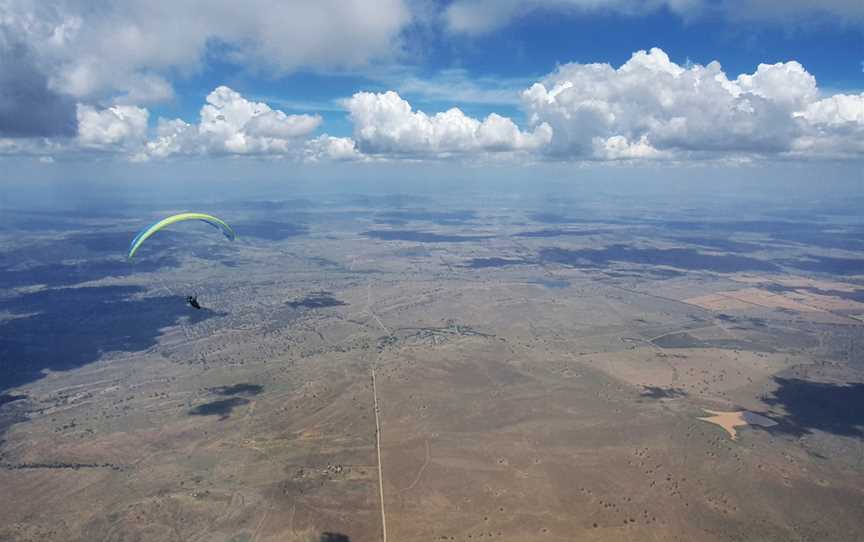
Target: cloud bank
x,y
648,109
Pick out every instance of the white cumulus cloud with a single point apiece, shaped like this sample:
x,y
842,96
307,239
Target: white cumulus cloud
x,y
619,148
231,124
120,126
837,110
386,124
835,127
653,107
329,148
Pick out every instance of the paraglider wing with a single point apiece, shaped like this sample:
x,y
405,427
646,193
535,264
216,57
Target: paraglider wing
x,y
147,232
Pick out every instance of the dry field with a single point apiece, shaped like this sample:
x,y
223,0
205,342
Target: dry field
x,y
398,390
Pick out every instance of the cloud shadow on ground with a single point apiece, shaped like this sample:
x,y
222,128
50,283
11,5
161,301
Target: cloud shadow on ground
x,y
421,237
485,263
673,257
833,408
66,328
657,392
220,407
829,265
316,300
270,230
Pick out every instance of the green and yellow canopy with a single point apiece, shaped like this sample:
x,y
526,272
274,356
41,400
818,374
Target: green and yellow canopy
x,y
148,232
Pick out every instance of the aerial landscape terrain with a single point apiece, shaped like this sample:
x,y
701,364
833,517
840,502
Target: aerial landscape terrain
x,y
431,271
435,368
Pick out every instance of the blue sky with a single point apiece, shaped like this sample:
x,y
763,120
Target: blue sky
x,y
532,46
534,82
